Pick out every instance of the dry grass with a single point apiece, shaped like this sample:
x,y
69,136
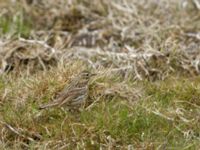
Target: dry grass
x,y
146,57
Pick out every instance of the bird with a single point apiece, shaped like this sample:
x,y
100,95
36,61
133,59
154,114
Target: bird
x,y
75,94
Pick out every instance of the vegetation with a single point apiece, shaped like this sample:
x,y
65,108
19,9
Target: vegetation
x,y
145,94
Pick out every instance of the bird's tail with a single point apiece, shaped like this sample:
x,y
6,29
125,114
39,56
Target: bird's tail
x,y
48,105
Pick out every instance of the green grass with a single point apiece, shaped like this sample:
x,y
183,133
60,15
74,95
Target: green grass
x,y
15,25
166,115
160,112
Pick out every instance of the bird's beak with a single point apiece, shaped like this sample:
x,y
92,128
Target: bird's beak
x,y
93,74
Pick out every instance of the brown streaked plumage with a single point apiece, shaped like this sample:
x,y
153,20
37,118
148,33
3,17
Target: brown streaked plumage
x,y
74,95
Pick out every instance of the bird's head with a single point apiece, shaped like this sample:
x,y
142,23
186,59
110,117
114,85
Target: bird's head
x,y
87,74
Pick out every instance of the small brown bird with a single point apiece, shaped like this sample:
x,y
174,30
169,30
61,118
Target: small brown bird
x,y
75,94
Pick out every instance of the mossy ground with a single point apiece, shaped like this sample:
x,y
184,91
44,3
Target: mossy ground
x,y
166,115
160,111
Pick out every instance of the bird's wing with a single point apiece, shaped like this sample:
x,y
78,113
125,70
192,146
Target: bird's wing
x,y
73,95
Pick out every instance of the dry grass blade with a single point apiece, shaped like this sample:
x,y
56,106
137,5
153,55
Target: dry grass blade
x,y
145,94
20,132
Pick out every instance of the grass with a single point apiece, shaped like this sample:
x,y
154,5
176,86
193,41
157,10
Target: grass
x,y
145,94
165,116
15,25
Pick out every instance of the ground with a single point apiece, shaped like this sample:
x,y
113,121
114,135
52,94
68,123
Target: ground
x,y
145,54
